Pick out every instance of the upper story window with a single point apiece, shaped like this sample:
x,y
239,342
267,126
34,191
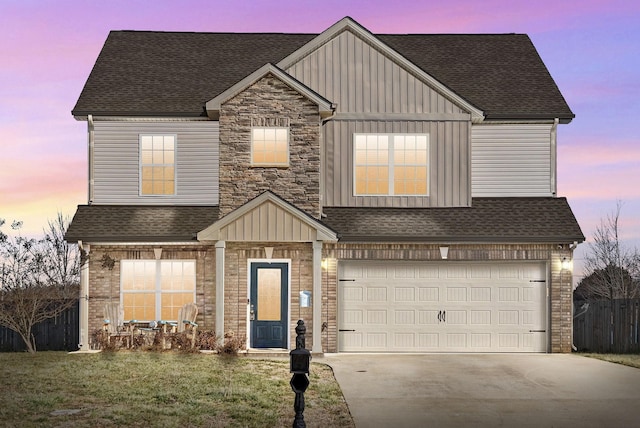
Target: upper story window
x,y
270,146
391,164
156,289
157,164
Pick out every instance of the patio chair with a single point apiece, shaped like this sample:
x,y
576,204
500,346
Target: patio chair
x,y
114,324
187,322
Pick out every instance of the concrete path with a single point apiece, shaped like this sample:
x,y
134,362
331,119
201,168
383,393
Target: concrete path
x,y
488,390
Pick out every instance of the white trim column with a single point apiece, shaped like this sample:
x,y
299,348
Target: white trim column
x,y
317,297
220,256
83,317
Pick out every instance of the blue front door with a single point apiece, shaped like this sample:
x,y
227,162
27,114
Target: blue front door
x,y
269,304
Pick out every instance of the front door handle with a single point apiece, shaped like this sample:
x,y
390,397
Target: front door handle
x,y
252,313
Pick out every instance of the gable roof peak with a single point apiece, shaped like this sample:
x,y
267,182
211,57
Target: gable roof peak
x,y
325,106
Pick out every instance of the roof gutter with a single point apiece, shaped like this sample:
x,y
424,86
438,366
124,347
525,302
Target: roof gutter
x,y
91,143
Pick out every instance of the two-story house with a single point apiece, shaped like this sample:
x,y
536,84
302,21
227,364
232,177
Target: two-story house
x,y
397,192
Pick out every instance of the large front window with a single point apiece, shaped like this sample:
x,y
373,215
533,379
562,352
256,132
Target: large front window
x,y
391,164
157,164
156,289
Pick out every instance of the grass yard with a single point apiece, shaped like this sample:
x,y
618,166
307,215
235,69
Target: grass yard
x,y
147,389
632,360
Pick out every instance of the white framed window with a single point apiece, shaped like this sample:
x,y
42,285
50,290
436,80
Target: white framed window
x,y
153,290
270,146
157,165
391,164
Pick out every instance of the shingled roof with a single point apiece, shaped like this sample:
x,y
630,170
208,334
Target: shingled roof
x,y
147,73
126,223
526,220
522,220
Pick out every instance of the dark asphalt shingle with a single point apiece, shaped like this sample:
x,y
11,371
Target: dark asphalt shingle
x,y
524,220
175,74
126,223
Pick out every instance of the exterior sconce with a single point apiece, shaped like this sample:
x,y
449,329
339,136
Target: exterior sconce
x,y
566,264
324,264
444,252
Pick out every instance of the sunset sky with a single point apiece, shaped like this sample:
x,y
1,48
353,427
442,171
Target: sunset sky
x,y
47,50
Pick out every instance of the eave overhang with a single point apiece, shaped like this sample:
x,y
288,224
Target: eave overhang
x,y
325,107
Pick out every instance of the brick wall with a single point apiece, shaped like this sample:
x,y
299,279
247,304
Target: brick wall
x,y
236,285
269,102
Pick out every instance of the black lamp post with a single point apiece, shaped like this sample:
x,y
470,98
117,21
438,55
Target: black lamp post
x,y
300,359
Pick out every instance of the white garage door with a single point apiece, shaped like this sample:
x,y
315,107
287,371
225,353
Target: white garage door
x,y
442,307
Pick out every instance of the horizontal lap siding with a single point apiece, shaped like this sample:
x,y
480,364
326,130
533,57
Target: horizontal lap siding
x,y
511,160
116,162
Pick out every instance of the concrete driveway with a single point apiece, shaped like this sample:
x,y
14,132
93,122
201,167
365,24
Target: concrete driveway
x,y
488,390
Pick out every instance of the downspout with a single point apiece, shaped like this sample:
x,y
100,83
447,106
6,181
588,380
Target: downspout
x,y
83,318
322,157
91,142
554,157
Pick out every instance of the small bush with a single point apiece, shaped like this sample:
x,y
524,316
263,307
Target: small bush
x,y
232,344
207,340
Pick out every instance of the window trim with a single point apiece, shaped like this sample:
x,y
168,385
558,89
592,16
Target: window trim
x,y
390,163
272,164
157,292
175,165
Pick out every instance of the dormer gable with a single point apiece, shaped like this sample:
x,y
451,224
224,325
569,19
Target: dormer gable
x,y
267,218
325,106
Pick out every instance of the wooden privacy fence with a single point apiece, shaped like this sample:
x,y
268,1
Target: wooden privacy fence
x,y
55,334
604,326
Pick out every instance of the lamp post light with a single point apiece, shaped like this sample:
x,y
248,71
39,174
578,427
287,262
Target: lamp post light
x,y
300,360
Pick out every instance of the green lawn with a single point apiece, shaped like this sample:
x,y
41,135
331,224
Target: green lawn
x,y
147,389
632,360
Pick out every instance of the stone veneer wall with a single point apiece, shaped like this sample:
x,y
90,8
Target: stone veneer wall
x,y
270,102
104,283
560,287
236,285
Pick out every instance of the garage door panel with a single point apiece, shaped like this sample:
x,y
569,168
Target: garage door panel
x,y
442,307
428,317
428,294
456,294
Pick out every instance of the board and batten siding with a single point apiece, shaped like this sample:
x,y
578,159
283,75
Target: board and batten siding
x,y
511,160
374,94
448,170
117,162
360,79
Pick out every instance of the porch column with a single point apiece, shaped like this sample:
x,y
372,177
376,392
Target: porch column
x,y
317,297
83,317
220,254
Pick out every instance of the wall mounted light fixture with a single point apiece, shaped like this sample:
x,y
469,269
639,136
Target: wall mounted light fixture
x,y
566,264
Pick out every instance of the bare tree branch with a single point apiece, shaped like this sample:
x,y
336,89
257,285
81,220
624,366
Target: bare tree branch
x,y
38,278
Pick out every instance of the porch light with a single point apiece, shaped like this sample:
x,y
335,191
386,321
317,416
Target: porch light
x,y
566,264
444,252
324,263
